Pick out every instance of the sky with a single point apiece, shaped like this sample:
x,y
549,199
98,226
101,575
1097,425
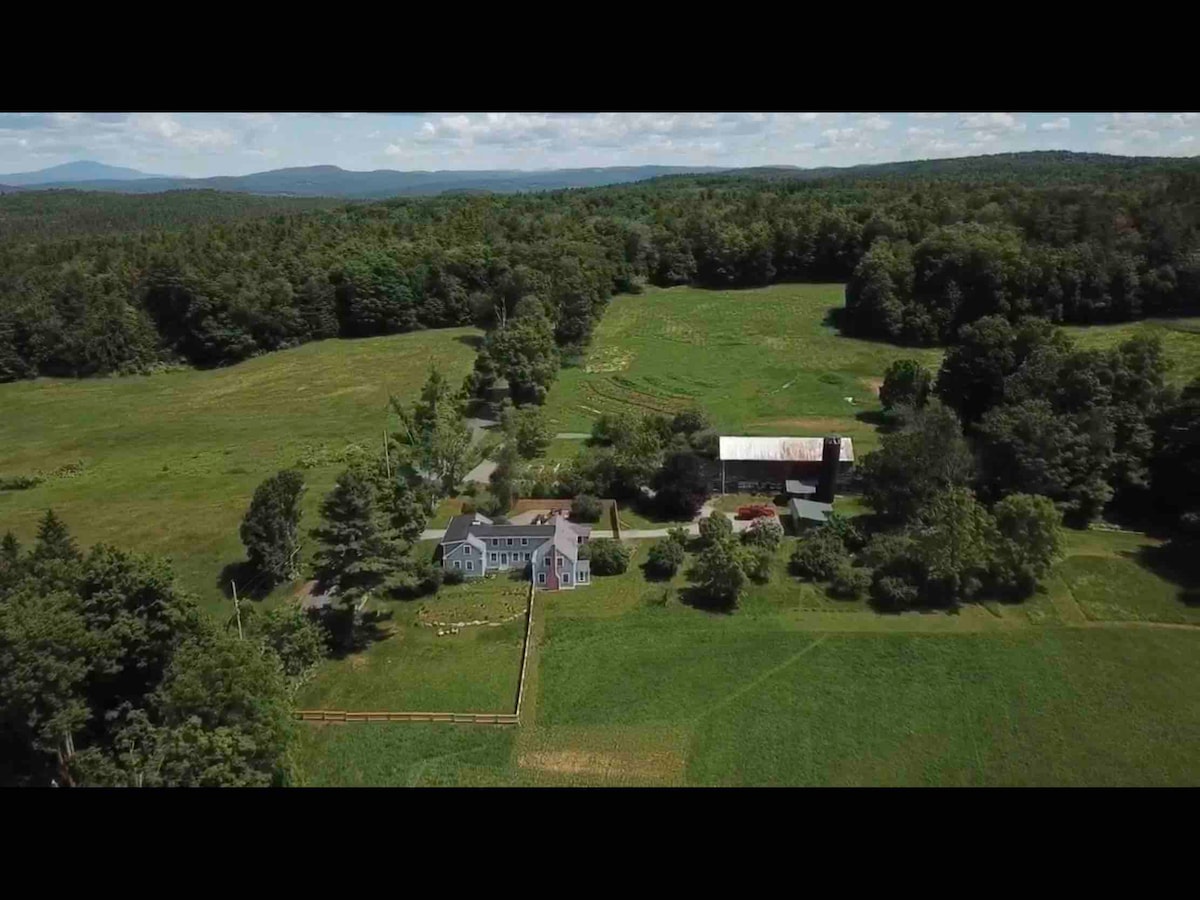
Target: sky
x,y
205,144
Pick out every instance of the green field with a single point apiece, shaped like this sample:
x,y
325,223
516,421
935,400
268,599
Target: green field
x,y
412,668
171,460
764,361
796,688
1180,338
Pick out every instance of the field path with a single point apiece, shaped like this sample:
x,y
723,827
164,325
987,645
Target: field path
x,y
764,677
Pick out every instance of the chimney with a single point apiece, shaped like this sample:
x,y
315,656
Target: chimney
x,y
831,454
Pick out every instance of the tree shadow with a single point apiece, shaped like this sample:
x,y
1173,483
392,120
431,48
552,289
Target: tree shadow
x,y
654,576
473,341
878,418
250,584
835,317
350,632
695,597
1177,561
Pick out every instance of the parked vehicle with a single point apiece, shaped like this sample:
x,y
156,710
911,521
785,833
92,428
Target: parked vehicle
x,y
755,511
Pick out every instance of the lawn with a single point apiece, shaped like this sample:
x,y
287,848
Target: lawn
x,y
634,686
762,361
412,668
171,460
760,706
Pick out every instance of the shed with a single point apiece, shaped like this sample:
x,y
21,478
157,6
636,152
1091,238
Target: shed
x,y
809,511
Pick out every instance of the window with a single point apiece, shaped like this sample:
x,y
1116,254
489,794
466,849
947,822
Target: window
x,y
566,576
524,542
579,540
583,576
527,556
470,565
495,542
541,577
510,542
457,564
546,561
493,557
467,550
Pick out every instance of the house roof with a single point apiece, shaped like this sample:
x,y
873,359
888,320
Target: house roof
x,y
566,536
779,449
563,532
810,509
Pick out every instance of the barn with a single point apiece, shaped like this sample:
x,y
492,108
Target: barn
x,y
756,464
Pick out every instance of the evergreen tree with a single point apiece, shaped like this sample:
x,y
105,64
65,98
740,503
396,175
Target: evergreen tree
x,y
54,541
359,549
271,527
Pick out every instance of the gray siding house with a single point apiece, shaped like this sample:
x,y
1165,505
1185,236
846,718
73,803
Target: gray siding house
x,y
475,547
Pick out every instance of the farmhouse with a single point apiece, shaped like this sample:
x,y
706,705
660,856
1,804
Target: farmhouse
x,y
769,463
474,546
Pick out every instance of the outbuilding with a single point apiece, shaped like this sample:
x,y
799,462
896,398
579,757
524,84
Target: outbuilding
x,y
757,464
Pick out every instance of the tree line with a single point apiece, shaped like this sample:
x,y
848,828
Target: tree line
x,y
925,250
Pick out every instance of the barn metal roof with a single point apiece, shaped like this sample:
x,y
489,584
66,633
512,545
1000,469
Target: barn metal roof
x,y
780,449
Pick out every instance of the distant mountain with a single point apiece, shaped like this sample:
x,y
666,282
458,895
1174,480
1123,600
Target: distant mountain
x,y
332,181
74,171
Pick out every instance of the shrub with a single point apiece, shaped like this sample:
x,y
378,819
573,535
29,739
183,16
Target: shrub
x,y
665,558
468,507
756,563
715,527
764,533
608,557
718,573
453,576
818,555
586,508
850,582
19,482
293,636
893,592
850,536
679,535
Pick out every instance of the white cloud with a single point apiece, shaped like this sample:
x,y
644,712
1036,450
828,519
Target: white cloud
x,y
875,123
1062,123
1183,120
926,115
992,122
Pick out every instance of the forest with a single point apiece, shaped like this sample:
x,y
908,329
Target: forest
x,y
925,248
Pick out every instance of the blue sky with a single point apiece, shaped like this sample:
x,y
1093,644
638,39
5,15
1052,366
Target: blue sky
x,y
203,144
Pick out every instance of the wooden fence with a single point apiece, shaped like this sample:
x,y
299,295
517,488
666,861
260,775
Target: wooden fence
x,y
513,718
341,715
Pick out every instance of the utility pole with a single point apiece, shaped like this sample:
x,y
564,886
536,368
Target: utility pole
x,y
237,611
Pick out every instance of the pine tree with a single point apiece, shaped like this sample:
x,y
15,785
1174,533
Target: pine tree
x,y
10,560
54,541
271,527
359,548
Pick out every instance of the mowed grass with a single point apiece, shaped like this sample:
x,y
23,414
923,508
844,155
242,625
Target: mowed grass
x,y
635,686
763,361
172,459
764,707
412,668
